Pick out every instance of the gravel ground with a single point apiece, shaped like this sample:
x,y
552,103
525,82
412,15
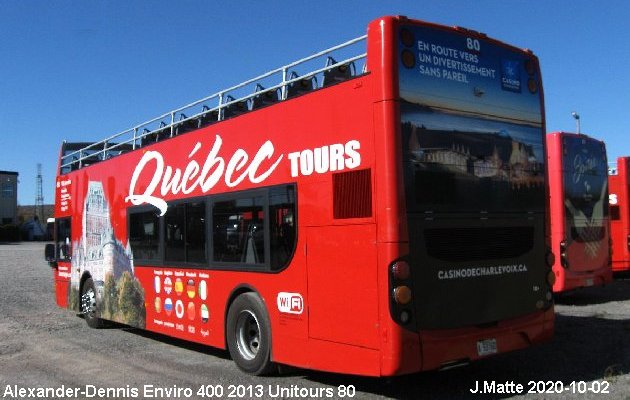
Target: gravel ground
x,y
42,346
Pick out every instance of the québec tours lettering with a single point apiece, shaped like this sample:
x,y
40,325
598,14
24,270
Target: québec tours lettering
x,y
234,170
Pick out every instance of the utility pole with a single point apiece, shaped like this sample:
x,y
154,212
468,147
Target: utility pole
x,y
576,116
39,196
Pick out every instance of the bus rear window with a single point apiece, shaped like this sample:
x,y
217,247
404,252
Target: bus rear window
x,y
471,120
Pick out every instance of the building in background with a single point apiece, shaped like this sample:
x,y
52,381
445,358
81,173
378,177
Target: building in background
x,y
28,212
8,198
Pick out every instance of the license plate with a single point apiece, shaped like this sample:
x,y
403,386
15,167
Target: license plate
x,y
486,347
589,282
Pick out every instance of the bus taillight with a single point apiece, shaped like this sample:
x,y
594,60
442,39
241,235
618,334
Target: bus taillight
x,y
401,289
563,254
551,278
530,67
551,258
405,316
408,59
406,37
400,270
402,295
532,85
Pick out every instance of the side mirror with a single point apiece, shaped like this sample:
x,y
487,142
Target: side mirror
x,y
49,252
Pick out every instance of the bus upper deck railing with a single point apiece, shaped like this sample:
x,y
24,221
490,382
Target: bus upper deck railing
x,y
229,102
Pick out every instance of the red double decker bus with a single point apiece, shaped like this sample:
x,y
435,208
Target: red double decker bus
x,y
374,220
580,228
619,188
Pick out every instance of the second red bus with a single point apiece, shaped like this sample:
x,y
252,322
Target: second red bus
x,y
620,214
580,230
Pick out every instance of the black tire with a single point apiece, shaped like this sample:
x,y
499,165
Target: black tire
x,y
89,308
249,335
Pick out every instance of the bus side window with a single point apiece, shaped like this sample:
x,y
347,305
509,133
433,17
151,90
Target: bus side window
x,y
174,244
255,230
282,225
239,230
185,239
144,235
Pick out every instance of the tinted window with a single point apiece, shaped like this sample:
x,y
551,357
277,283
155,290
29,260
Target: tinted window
x,y
185,233
64,238
238,230
472,136
249,229
585,181
144,235
196,232
282,225
174,238
585,176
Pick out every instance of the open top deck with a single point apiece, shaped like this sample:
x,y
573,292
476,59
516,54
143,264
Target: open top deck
x,y
320,70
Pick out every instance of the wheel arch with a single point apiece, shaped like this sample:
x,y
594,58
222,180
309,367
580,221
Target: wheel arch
x,y
236,292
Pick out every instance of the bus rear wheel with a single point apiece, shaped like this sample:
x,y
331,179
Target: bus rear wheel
x,y
89,308
249,335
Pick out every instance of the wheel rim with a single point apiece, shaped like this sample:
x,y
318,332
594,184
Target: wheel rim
x,y
247,335
88,303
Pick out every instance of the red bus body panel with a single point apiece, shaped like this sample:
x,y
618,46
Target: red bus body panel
x,y
62,283
588,262
619,187
340,266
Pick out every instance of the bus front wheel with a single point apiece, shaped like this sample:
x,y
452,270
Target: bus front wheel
x,y
249,335
89,308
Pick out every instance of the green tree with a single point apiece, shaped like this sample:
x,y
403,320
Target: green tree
x,y
131,301
73,298
110,298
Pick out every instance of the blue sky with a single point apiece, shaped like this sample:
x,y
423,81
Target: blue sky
x,y
83,70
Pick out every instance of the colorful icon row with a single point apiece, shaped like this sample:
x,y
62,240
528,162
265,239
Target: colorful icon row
x,y
190,311
191,290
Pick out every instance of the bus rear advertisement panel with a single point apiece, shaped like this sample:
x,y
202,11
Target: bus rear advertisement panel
x,y
474,176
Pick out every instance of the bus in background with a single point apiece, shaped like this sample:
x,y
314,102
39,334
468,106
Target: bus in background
x,y
376,221
580,229
619,188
